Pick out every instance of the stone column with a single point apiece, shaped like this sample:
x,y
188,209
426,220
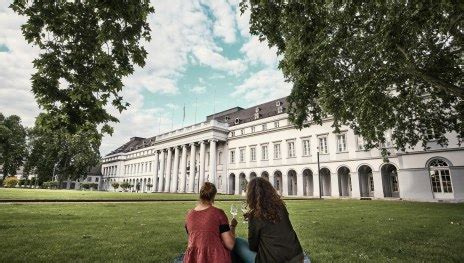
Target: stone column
x,y
356,191
284,184
237,184
202,164
175,173
155,172
299,184
272,179
183,169
161,172
316,184
335,191
191,186
212,161
378,186
167,183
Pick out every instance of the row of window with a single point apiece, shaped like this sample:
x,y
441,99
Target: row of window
x,y
253,129
138,168
110,170
291,151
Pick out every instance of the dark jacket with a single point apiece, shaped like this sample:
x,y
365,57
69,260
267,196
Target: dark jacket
x,y
274,242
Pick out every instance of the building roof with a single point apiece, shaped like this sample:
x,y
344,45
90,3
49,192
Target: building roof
x,y
232,116
264,110
133,144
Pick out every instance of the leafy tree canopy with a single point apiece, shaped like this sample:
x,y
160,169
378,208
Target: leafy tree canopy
x,y
61,153
87,47
374,66
12,144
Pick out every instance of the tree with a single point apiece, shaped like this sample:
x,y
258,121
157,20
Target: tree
x,y
125,185
12,144
10,181
58,152
373,66
87,47
115,185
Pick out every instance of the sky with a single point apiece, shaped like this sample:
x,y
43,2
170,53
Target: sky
x,y
201,57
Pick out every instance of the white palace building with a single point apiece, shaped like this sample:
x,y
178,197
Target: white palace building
x,y
239,144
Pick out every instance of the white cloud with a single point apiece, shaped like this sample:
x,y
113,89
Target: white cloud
x,y
265,85
259,52
198,89
16,68
224,25
182,35
243,22
215,60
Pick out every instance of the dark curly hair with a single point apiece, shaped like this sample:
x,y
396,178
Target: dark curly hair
x,y
263,201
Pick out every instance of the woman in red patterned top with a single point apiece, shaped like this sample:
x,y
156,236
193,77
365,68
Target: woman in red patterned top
x,y
210,237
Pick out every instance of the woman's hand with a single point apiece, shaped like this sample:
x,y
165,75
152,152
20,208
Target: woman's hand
x,y
233,222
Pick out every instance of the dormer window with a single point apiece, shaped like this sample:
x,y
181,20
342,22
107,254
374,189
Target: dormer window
x,y
227,118
237,120
257,109
278,103
256,115
280,109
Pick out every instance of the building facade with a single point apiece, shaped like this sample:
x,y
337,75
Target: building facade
x,y
236,145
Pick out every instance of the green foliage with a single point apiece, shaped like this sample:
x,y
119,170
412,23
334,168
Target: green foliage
x,y
373,66
22,182
88,185
115,185
10,181
12,144
1,182
125,185
51,185
87,47
68,156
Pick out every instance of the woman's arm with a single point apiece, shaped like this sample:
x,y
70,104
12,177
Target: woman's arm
x,y
253,234
228,237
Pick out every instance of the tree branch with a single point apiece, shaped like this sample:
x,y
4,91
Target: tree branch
x,y
434,81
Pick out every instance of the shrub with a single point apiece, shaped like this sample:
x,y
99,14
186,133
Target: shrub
x,y
1,182
21,182
115,185
125,185
50,185
88,185
10,181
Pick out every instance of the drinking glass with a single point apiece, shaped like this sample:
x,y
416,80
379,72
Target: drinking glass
x,y
244,210
233,211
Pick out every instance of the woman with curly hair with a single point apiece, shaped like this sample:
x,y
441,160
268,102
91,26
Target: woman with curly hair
x,y
271,237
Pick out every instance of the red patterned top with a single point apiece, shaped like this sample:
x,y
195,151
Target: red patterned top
x,y
204,230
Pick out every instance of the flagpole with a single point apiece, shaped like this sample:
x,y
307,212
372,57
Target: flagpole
x,y
196,107
214,103
172,119
183,117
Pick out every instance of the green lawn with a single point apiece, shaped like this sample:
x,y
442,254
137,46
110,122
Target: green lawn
x,y
331,230
42,194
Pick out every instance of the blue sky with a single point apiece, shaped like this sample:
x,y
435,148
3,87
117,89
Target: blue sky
x,y
201,56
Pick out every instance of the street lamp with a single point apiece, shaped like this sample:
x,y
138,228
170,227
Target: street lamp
x,y
319,173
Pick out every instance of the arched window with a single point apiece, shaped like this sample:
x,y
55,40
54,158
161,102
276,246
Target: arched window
x,y
440,176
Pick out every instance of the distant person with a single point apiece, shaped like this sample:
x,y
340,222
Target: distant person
x,y
210,236
271,237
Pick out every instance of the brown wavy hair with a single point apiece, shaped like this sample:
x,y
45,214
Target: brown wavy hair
x,y
263,200
208,192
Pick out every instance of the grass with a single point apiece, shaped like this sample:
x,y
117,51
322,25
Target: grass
x,y
331,230
45,194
